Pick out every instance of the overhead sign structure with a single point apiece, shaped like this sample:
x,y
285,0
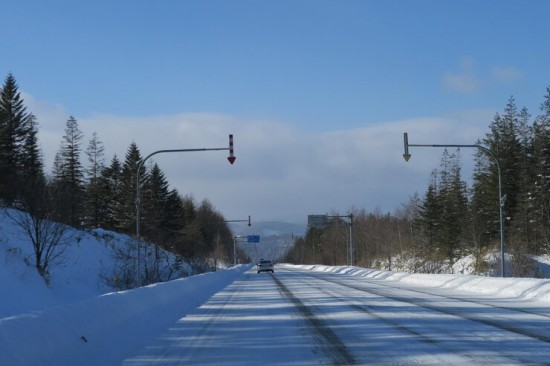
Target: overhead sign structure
x,y
253,239
317,221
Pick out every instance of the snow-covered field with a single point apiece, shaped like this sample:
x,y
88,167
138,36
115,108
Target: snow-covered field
x,y
74,322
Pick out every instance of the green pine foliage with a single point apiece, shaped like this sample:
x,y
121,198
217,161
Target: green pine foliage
x,y
111,198
126,211
14,132
451,220
99,195
68,179
94,205
541,174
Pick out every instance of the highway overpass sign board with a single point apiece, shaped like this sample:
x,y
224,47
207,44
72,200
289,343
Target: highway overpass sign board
x,y
317,221
253,239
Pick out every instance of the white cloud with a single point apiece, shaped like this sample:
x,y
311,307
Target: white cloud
x,y
505,75
462,83
465,80
280,173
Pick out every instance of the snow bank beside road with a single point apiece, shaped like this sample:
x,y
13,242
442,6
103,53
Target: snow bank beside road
x,y
520,288
106,329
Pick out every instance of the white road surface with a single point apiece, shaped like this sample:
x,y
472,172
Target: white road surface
x,y
297,317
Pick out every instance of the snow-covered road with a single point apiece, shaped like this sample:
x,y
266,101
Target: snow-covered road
x,y
299,317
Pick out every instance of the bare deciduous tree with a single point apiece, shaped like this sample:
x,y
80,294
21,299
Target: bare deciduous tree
x,y
49,239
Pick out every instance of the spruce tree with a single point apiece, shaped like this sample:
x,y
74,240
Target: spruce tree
x,y
32,179
189,235
95,202
126,212
13,131
69,176
111,195
523,228
430,211
174,221
453,205
510,154
504,142
154,199
443,212
541,172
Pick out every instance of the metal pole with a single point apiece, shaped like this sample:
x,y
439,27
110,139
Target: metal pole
x,y
138,234
231,159
234,251
351,240
407,156
234,238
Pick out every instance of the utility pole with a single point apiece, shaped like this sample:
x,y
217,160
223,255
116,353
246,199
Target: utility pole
x,y
234,239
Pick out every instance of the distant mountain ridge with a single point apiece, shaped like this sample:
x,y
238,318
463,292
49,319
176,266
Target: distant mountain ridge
x,y
276,238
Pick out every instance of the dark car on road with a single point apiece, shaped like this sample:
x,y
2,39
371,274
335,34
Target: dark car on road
x,y
265,265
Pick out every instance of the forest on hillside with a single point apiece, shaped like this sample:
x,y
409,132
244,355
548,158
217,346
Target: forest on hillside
x,y
99,193
451,220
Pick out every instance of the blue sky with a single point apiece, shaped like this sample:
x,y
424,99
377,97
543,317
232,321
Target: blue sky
x,y
305,72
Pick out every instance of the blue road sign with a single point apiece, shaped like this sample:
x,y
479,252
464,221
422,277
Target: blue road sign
x,y
253,239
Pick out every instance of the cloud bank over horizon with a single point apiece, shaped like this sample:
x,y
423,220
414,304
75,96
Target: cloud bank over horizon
x,y
281,173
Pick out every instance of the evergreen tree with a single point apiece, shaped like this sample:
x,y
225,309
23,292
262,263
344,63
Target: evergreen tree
x,y
443,213
453,205
111,195
190,236
523,228
541,172
126,211
154,199
209,222
504,142
430,212
13,131
95,203
511,154
174,221
69,176
484,203
32,167
32,179
415,224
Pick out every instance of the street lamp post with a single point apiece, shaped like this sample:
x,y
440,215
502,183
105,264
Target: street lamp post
x,y
407,156
234,240
231,159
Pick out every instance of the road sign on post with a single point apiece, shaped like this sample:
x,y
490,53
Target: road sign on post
x,y
317,221
253,239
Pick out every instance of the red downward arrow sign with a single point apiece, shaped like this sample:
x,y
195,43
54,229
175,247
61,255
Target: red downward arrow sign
x,y
231,159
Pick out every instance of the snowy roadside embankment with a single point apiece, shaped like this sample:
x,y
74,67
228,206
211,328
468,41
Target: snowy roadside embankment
x,y
520,288
107,328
